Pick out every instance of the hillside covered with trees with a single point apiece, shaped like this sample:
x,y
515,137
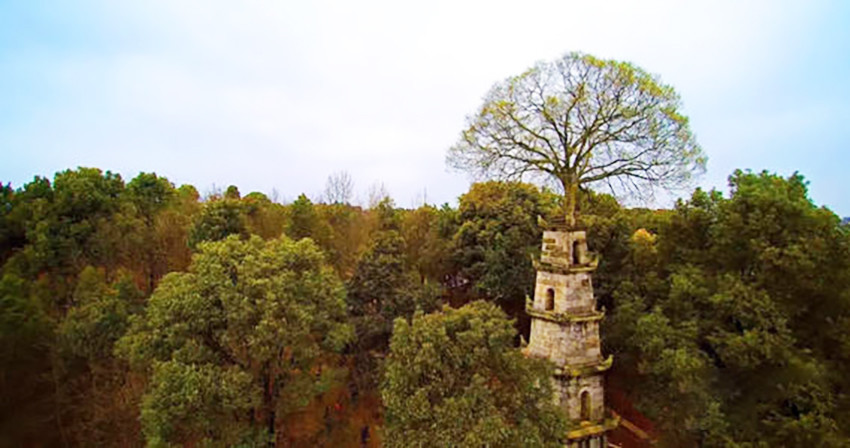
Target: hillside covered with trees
x,y
138,313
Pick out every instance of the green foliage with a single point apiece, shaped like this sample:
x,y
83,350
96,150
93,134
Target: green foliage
x,y
98,318
63,222
726,317
12,227
150,194
497,240
429,245
23,321
25,335
239,339
218,219
263,217
232,192
455,379
347,232
85,193
152,197
383,288
383,284
303,220
191,402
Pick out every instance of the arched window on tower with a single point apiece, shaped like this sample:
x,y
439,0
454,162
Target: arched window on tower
x,y
585,405
576,254
550,299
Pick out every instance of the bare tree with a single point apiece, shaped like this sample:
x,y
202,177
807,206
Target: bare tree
x,y
339,188
581,121
377,193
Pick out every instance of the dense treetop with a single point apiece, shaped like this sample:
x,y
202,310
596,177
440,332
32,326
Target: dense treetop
x,y
136,313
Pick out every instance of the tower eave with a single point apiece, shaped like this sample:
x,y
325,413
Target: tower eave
x,y
556,317
576,371
590,266
588,429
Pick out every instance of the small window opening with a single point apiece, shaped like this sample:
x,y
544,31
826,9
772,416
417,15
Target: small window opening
x,y
550,299
576,254
585,405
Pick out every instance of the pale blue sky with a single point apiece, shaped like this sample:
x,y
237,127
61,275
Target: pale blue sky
x,y
278,95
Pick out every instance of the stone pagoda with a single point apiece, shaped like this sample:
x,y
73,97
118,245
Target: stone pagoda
x,y
565,329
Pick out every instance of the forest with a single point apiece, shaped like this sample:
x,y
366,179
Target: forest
x,y
141,313
138,313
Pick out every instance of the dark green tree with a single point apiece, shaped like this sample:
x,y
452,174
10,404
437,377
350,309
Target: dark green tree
x,y
741,305
497,239
26,333
151,194
383,288
218,219
100,403
63,222
12,226
304,222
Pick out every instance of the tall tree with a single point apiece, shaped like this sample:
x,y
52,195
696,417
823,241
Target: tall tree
x,y
455,378
580,121
264,217
428,251
497,239
237,342
64,221
101,401
304,221
151,194
218,219
26,399
348,233
12,229
383,288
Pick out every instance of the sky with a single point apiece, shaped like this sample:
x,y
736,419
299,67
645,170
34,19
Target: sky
x,y
275,96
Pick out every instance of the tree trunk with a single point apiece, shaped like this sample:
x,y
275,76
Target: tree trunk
x,y
570,198
269,405
270,426
56,397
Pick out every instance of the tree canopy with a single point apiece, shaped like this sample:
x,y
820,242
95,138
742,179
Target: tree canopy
x,y
498,239
728,316
237,342
581,121
455,378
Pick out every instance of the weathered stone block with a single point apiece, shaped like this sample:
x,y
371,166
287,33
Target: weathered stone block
x,y
565,326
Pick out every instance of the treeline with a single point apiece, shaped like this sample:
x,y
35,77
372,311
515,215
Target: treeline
x,y
137,313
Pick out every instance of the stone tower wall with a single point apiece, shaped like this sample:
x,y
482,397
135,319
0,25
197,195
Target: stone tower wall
x,y
558,247
569,391
573,343
573,292
565,330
